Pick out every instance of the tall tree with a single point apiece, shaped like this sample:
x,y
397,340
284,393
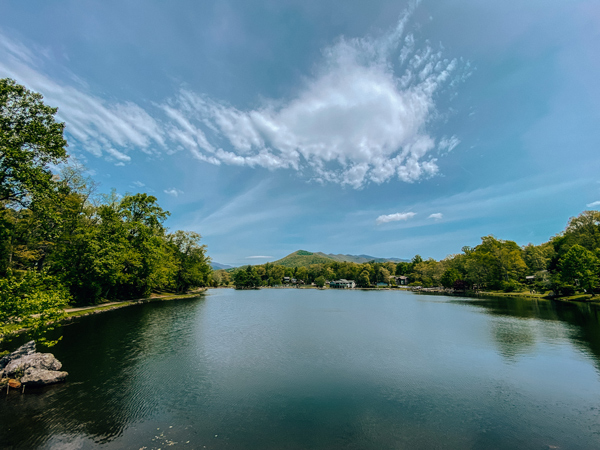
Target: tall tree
x,y
193,266
30,140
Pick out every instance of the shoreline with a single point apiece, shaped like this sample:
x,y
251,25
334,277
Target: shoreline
x,y
578,298
82,311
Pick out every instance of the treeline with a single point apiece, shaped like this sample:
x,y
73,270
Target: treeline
x,y
60,241
566,264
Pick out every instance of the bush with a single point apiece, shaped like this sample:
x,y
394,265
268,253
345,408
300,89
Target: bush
x,y
566,290
33,301
511,286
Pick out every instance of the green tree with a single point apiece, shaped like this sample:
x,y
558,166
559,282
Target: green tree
x,y
320,281
193,266
579,267
30,140
450,277
363,279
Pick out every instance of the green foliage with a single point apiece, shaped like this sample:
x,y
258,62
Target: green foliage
x,y
33,301
320,281
30,140
511,286
449,278
302,258
363,279
246,278
193,266
98,248
580,267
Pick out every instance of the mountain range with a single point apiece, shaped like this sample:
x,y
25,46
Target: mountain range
x,y
303,258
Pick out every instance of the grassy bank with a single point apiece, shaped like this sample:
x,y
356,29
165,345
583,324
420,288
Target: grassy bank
x,y
73,313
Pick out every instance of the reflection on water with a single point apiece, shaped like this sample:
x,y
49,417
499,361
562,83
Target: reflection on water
x,y
550,321
295,369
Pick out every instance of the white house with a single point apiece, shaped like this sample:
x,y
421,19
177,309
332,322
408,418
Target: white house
x,y
342,284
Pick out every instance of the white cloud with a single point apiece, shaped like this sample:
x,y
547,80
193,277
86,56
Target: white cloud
x,y
395,217
362,117
116,154
354,122
138,184
258,257
436,216
174,192
593,204
448,144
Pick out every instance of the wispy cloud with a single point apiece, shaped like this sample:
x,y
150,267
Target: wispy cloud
x,y
138,184
395,217
95,124
363,116
258,257
118,156
593,204
359,119
436,216
174,192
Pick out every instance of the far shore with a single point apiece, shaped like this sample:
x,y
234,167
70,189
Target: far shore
x,y
579,298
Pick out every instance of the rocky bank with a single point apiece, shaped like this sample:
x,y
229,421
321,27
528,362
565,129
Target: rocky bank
x,y
27,367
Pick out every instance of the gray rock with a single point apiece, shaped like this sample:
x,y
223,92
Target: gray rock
x,y
45,361
25,349
42,377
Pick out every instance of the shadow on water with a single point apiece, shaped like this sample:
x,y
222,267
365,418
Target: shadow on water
x,y
109,385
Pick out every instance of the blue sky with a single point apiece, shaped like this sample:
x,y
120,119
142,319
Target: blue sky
x,y
387,128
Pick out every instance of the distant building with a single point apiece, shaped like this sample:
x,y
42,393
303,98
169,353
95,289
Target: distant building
x,y
401,280
342,284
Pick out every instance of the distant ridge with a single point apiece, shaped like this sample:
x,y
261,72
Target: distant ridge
x,y
217,266
359,259
303,258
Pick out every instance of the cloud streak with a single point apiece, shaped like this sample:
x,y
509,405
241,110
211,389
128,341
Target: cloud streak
x,y
394,217
593,204
173,192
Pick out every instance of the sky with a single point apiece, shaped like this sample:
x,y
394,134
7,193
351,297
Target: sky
x,y
387,128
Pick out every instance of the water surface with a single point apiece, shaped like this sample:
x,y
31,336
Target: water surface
x,y
308,369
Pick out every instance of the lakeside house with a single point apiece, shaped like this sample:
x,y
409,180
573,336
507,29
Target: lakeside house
x,y
342,284
401,280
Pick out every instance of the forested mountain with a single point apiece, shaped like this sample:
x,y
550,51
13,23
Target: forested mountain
x,y
359,259
303,258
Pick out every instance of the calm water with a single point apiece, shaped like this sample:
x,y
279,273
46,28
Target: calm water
x,y
306,369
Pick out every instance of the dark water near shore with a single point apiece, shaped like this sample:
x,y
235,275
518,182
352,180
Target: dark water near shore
x,y
307,369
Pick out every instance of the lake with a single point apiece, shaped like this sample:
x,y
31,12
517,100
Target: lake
x,y
310,369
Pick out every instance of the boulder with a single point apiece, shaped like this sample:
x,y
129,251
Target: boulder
x,y
45,361
42,377
25,349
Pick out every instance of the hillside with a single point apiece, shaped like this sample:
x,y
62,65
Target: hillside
x,y
302,258
359,259
218,266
